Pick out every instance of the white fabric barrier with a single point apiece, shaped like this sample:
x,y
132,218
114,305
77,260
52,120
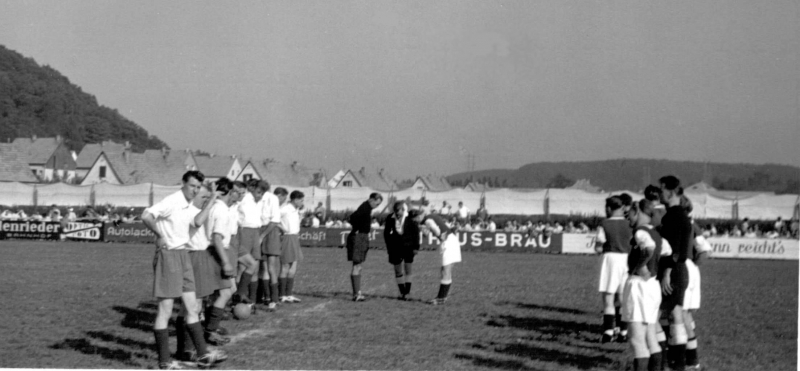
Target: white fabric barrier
x,y
722,247
506,201
64,194
576,202
160,192
767,206
137,195
15,194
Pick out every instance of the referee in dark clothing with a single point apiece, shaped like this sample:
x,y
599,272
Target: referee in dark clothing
x,y
358,240
676,227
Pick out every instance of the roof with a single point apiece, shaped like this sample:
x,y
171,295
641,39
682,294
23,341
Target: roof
x,y
215,166
379,181
585,185
332,182
435,182
702,187
90,152
156,166
289,174
37,150
14,165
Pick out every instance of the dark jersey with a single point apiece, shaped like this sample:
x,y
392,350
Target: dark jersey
x,y
638,253
361,218
408,240
676,228
658,214
618,235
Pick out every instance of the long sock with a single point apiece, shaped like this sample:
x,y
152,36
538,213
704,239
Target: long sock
x,y
180,328
281,286
444,289
408,288
289,286
655,362
617,321
214,318
677,346
260,291
623,326
196,334
401,282
402,287
662,342
162,345
608,324
640,364
244,285
253,291
267,290
691,352
273,290
355,280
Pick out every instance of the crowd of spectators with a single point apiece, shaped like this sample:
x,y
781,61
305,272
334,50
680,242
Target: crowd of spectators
x,y
460,218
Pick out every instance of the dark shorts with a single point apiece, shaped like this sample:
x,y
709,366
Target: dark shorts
x,y
398,256
679,279
208,272
235,246
248,242
290,249
271,246
357,247
173,273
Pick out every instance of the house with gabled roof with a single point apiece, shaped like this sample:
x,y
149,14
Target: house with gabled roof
x,y
334,180
90,152
379,180
477,187
434,183
162,167
279,173
14,165
216,167
47,158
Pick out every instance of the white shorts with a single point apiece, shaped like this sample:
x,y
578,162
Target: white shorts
x,y
450,250
640,300
691,300
613,272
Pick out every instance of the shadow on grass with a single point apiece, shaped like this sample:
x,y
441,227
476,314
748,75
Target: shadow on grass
x,y
502,364
560,356
544,307
142,317
348,296
85,346
552,327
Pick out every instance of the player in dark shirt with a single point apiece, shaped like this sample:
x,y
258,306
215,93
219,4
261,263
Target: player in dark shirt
x,y
358,240
401,234
676,228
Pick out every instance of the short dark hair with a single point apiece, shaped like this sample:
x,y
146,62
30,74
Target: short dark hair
x,y
643,206
280,191
376,196
626,199
224,185
239,184
397,205
193,174
652,193
613,203
296,195
670,182
262,185
252,183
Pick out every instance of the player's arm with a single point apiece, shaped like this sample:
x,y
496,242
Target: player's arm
x,y
434,228
599,240
202,216
703,247
227,268
648,247
388,228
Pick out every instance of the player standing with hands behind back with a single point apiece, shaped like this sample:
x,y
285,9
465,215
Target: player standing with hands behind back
x,y
358,240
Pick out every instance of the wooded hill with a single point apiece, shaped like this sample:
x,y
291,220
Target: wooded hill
x,y
633,174
38,100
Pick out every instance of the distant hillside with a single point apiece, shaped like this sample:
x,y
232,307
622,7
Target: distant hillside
x,y
632,174
38,100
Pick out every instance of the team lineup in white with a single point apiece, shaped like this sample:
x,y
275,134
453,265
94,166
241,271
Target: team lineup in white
x,y
230,244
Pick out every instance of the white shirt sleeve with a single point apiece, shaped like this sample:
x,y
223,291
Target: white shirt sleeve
x,y
644,240
433,227
601,235
701,244
666,248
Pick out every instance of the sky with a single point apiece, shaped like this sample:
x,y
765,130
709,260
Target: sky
x,y
435,87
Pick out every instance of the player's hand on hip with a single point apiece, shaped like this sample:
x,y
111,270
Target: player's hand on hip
x,y
666,286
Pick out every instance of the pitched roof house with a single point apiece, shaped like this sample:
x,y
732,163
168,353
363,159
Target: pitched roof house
x,y
47,158
279,173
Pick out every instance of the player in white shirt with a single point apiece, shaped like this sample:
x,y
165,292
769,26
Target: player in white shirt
x,y
170,219
270,249
291,254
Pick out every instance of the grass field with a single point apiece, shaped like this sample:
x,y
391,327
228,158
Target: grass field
x,y
88,305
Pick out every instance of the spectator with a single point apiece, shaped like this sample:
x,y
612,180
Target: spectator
x,y
509,227
37,217
8,214
374,224
462,212
54,214
570,228
21,215
558,228
306,221
337,224
745,225
129,217
779,225
346,224
772,234
446,208
583,228
712,229
491,226
795,227
315,220
482,213
320,211
750,233
329,222
476,225
71,217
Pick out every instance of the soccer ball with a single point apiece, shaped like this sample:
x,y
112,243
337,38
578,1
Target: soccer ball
x,y
241,311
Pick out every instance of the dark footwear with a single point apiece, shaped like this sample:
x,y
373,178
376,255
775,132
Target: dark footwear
x,y
359,297
606,339
214,338
211,358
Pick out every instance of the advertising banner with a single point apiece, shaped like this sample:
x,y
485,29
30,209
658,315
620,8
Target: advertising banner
x,y
470,241
128,232
30,230
754,248
86,231
575,243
